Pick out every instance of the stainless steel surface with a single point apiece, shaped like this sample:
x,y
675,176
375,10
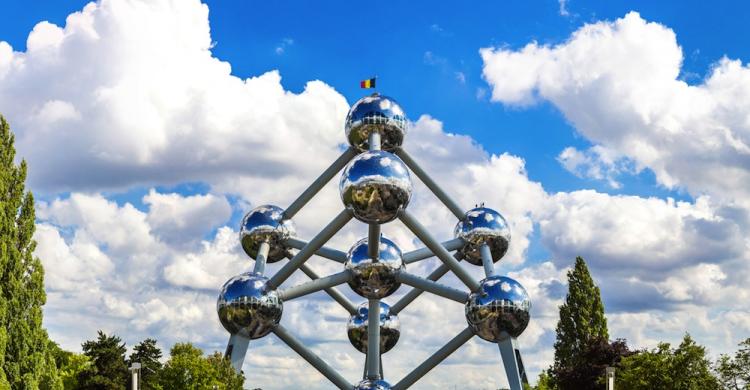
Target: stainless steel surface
x,y
481,226
438,250
236,351
325,234
376,113
425,253
369,384
247,307
357,328
316,285
435,359
374,278
499,309
329,253
319,183
266,224
433,287
434,187
375,186
312,358
333,292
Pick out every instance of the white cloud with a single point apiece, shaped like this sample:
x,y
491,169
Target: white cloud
x,y
618,83
146,102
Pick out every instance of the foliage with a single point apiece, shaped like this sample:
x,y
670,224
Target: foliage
x,y
684,368
108,370
188,369
543,382
148,354
25,358
596,356
734,373
581,333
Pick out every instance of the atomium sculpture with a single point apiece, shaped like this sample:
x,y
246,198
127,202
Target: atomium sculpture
x,y
375,188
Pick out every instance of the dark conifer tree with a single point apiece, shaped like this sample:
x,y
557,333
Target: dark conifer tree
x,y
108,370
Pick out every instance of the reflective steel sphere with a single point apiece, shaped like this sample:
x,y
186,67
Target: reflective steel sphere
x,y
246,306
369,384
266,223
483,225
375,186
374,278
376,113
390,329
499,309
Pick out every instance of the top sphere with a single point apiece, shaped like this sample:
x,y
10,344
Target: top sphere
x,y
375,186
266,223
481,226
499,309
376,113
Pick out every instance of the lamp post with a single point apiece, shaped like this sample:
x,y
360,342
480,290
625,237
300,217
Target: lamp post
x,y
135,370
610,378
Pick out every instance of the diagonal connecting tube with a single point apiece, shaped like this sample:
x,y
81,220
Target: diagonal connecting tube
x,y
321,181
312,358
427,180
432,286
435,359
295,262
331,291
438,249
315,285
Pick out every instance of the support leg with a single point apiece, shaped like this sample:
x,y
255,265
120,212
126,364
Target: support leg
x,y
512,361
373,339
236,350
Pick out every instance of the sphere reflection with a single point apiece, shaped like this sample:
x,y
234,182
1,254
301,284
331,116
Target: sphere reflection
x,y
266,223
499,309
390,329
376,113
481,226
375,186
369,384
247,307
374,278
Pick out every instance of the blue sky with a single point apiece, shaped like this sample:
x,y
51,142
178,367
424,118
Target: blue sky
x,y
613,130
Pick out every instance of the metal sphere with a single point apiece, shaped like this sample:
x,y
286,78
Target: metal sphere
x,y
248,307
376,113
266,223
499,309
375,186
481,226
369,384
374,278
390,329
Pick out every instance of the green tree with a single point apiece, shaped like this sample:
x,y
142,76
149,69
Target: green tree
x,y
147,354
582,323
24,355
734,373
108,370
684,368
188,369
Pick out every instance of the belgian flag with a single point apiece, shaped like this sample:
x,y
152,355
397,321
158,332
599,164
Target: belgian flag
x,y
369,83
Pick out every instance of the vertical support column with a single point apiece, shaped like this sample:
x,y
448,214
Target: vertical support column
x,y
373,339
373,241
489,266
135,378
610,378
512,362
260,260
236,351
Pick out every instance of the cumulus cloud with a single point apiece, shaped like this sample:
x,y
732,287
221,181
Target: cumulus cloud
x,y
142,103
619,84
